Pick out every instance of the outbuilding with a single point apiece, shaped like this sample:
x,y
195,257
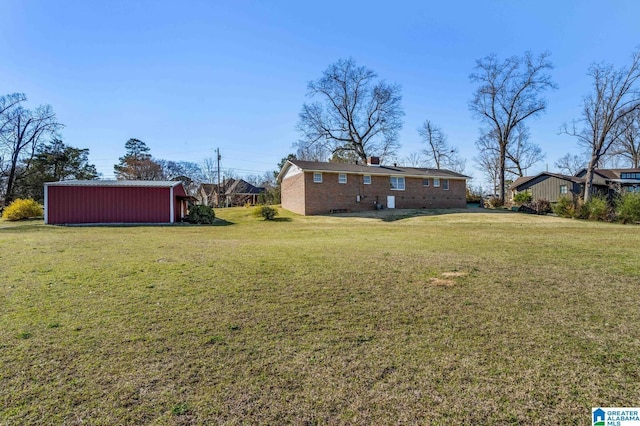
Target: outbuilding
x,y
114,201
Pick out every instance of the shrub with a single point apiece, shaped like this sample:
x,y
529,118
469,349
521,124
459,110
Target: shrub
x,y
267,212
522,198
494,202
565,207
541,206
22,209
597,208
201,214
628,207
473,196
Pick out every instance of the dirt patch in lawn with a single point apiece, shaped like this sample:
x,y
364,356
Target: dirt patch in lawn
x,y
453,274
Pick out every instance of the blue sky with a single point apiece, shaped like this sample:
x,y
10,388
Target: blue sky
x,y
191,76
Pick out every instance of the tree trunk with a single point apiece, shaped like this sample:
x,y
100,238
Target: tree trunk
x,y
588,179
503,156
11,179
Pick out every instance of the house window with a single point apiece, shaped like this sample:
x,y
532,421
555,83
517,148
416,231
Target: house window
x,y
425,182
342,178
317,178
445,184
436,182
397,183
628,175
563,189
366,179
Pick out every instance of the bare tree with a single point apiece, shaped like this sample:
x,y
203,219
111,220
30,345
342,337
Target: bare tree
x,y
415,159
571,164
439,153
312,153
7,102
522,154
614,97
21,133
509,93
210,169
627,145
488,163
189,173
356,113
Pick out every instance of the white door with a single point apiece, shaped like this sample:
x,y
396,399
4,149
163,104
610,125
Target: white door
x,y
391,201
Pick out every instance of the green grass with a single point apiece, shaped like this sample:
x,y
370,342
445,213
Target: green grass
x,y
418,318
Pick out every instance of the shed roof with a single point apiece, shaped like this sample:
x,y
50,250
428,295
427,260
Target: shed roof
x,y
118,183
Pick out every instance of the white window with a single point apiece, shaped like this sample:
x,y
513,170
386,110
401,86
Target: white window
x,y
397,183
342,178
425,182
563,189
445,184
317,178
436,182
366,179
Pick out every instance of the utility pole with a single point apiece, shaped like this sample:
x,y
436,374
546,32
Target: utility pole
x,y
218,152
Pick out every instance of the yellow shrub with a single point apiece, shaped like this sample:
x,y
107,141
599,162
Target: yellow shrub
x,y
22,209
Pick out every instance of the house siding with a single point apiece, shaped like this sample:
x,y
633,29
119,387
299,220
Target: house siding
x,y
301,195
548,188
292,193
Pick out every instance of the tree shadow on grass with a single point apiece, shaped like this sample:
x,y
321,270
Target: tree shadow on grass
x,y
22,225
392,215
281,219
221,222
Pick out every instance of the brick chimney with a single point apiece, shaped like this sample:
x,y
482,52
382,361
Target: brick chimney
x,y
373,161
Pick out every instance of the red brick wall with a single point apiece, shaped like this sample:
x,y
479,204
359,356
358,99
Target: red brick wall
x,y
329,195
292,193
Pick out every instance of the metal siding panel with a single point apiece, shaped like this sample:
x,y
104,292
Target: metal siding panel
x,y
108,205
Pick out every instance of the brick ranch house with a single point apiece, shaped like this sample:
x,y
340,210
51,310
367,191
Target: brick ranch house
x,y
311,187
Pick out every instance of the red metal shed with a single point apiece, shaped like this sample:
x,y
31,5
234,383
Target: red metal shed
x,y
115,201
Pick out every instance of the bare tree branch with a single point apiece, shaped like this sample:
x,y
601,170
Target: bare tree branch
x,y
438,152
509,93
355,114
627,146
571,164
615,96
21,133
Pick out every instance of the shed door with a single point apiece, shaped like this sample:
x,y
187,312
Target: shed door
x,y
391,201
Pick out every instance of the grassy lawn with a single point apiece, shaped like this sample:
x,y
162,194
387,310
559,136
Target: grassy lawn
x,y
456,318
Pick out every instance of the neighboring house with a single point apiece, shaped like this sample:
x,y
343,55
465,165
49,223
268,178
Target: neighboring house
x,y
548,186
116,201
552,186
614,180
310,187
235,192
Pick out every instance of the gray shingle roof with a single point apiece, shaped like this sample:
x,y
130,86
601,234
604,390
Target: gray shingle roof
x,y
318,166
525,179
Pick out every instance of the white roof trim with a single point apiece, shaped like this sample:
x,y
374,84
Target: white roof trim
x,y
118,183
